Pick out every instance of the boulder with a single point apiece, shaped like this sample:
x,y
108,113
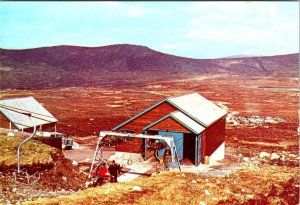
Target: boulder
x,y
137,188
263,155
10,134
74,163
246,159
65,178
249,196
283,158
87,160
274,156
206,192
292,155
87,184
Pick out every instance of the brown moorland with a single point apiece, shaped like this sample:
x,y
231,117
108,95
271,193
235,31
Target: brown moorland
x,y
86,97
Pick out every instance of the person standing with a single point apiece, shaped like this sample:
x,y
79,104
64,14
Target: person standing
x,y
114,170
102,175
102,171
167,158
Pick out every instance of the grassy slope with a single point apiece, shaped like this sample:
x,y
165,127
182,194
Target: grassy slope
x,y
33,153
264,185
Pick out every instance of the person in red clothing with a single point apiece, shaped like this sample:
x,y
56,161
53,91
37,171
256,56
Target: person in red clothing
x,y
102,171
102,175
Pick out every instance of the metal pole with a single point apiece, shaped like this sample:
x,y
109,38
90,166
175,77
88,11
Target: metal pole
x,y
196,151
19,147
95,154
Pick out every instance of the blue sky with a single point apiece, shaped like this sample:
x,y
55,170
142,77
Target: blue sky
x,y
189,29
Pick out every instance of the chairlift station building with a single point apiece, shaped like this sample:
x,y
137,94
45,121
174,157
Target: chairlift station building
x,y
196,124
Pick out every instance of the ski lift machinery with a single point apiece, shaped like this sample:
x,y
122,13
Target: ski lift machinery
x,y
21,174
99,151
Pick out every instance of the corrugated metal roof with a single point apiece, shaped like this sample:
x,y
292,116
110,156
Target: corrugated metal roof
x,y
188,122
198,108
193,105
11,109
183,120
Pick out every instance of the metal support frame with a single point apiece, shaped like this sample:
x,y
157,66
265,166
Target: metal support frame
x,y
168,139
24,172
24,141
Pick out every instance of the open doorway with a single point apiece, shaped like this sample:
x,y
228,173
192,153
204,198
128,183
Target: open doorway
x,y
189,147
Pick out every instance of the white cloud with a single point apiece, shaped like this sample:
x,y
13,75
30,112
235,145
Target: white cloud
x,y
135,11
218,7
243,35
110,3
244,23
208,18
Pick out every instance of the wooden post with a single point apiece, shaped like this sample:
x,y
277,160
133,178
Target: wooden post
x,y
196,151
145,146
203,146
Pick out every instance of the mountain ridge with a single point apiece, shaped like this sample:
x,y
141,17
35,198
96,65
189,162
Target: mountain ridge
x,y
141,46
65,66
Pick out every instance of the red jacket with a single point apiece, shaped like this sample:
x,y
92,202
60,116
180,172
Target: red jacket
x,y
102,172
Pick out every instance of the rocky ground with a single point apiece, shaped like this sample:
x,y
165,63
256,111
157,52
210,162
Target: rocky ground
x,y
263,178
62,179
264,184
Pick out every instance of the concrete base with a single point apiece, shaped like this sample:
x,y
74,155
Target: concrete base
x,y
219,154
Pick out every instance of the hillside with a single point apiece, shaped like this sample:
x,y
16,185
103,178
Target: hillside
x,y
48,170
40,158
122,64
248,186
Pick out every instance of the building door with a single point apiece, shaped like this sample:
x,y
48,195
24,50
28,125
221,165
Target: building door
x,y
178,140
189,148
198,150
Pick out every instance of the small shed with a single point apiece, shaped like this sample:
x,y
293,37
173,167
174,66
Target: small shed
x,y
196,124
11,116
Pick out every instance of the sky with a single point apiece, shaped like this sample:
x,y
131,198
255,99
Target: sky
x,y
188,29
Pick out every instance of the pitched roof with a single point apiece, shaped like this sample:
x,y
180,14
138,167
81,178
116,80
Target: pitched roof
x,y
192,105
198,108
184,120
12,109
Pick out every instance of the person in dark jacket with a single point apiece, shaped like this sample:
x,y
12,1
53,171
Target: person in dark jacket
x,y
167,158
114,170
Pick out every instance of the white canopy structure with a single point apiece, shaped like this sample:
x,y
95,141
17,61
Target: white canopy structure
x,y
168,139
